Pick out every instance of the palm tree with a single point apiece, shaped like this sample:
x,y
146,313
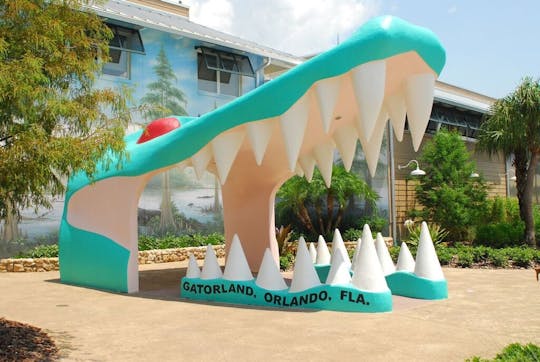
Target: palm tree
x,y
164,99
513,128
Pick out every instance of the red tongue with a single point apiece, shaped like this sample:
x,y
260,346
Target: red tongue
x,y
158,127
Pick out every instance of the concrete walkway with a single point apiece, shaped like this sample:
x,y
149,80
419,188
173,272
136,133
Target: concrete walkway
x,y
487,310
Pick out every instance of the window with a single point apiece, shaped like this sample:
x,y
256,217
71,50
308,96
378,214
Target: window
x,y
221,72
124,42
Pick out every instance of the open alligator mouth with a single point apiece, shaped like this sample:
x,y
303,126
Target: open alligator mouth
x,y
385,71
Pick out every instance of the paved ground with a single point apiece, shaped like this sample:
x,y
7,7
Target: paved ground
x,y
487,310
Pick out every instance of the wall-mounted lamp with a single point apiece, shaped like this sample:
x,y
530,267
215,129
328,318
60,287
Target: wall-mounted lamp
x,y
415,172
474,175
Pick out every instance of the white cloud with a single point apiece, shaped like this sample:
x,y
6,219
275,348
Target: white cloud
x,y
299,27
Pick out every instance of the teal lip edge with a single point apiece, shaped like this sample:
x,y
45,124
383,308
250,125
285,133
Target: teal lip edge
x,y
407,284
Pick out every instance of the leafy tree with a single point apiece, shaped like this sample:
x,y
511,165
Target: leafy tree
x,y
164,99
449,195
513,128
53,122
320,209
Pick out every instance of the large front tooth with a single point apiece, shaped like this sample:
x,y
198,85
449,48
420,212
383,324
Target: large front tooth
x,y
427,263
226,147
419,89
327,93
323,254
259,134
346,138
339,272
397,110
293,126
308,165
369,83
193,270
304,274
338,247
237,267
269,276
324,154
405,261
368,274
385,259
372,146
200,161
211,269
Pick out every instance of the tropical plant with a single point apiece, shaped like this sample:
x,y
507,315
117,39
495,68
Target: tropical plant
x,y
437,233
53,121
449,196
163,99
513,128
320,209
513,353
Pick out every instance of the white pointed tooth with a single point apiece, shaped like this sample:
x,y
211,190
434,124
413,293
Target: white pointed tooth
x,y
419,89
372,146
369,84
368,274
383,254
427,263
405,261
259,134
193,270
211,269
299,171
200,161
304,274
269,277
323,254
339,271
237,267
338,247
355,255
397,110
308,165
327,94
293,126
346,138
313,253
226,147
324,155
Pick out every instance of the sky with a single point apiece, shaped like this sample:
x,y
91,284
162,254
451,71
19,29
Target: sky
x,y
490,45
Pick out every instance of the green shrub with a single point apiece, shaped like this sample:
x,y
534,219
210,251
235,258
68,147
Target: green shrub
x,y
500,235
465,256
286,261
514,352
394,253
522,257
498,258
40,251
147,242
437,233
352,234
480,254
445,254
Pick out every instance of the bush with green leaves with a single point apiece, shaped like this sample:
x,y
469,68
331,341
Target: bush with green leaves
x,y
40,251
437,233
314,209
514,352
449,196
147,242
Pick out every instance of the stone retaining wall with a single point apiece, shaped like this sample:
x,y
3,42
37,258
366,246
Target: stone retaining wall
x,y
145,257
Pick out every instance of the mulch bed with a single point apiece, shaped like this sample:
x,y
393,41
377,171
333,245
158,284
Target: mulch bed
x,y
23,342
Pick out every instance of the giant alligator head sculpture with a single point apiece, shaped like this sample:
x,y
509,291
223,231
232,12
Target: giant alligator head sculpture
x,y
385,71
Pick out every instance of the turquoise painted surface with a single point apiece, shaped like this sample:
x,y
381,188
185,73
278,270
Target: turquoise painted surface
x,y
379,38
92,260
409,285
344,298
322,271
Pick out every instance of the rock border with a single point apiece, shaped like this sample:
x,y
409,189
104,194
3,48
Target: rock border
x,y
26,265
